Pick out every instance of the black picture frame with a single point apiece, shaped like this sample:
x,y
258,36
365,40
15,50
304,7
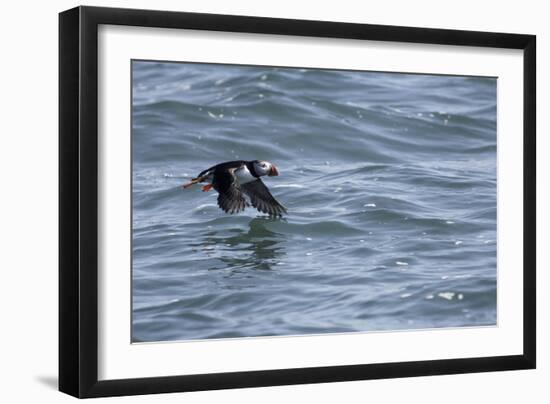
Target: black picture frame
x,y
78,201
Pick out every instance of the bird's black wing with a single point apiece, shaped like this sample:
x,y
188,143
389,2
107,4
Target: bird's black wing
x,y
261,198
230,197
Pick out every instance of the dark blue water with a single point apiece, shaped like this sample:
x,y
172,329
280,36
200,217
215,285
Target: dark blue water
x,y
390,184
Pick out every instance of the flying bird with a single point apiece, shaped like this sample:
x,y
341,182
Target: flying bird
x,y
235,179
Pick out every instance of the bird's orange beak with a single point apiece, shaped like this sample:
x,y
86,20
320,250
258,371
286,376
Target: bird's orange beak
x,y
273,171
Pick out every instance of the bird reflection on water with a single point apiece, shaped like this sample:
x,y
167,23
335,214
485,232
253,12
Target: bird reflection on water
x,y
255,248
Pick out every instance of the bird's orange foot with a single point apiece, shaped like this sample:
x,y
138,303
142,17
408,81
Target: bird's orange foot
x,y
206,187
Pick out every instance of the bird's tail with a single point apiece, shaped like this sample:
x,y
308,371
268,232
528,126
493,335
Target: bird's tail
x,y
192,182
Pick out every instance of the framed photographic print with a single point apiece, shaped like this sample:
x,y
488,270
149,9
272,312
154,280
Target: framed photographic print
x,y
251,201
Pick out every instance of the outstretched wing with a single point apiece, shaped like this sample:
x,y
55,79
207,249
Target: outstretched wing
x,y
261,198
230,198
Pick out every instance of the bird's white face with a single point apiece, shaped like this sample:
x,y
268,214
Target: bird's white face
x,y
265,168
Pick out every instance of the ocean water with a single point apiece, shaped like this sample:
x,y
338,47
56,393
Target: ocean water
x,y
390,184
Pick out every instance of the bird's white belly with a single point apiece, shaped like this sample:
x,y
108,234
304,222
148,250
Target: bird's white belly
x,y
243,175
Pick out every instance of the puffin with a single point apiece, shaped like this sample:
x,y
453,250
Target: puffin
x,y
235,179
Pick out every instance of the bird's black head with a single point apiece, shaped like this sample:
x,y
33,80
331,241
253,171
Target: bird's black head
x,y
262,167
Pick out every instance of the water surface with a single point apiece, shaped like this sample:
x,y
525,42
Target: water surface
x,y
390,184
